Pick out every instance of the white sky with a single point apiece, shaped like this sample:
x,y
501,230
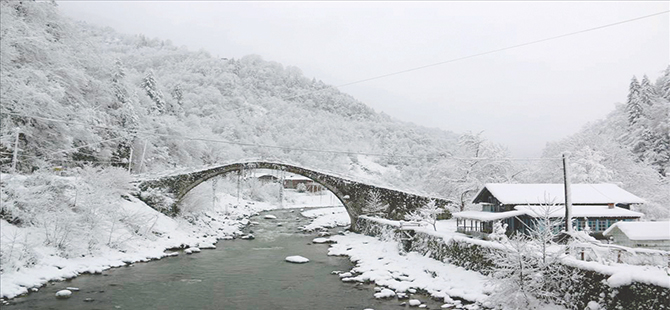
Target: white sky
x,y
522,97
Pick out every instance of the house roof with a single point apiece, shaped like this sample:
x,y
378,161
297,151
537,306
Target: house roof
x,y
535,194
577,211
642,230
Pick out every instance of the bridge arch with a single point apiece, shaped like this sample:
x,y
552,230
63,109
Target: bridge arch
x,y
352,194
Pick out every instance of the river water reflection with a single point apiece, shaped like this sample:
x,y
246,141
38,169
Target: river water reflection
x,y
239,274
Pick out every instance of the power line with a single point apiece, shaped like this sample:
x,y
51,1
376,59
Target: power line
x,y
504,48
288,148
486,53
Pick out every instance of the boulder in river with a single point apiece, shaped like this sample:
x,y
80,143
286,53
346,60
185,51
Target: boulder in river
x,y
269,217
297,259
248,237
64,294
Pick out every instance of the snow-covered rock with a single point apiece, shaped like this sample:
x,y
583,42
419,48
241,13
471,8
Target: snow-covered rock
x,y
270,217
192,250
385,293
248,237
297,259
74,289
323,240
414,302
63,294
206,245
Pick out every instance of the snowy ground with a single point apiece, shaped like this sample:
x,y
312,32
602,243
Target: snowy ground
x,y
326,218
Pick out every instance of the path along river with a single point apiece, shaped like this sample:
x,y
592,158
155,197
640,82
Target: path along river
x,y
239,274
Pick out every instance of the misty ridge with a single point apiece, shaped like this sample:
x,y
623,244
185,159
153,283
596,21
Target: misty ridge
x,y
85,95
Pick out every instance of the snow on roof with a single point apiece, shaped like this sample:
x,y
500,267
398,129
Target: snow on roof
x,y
642,230
486,216
577,211
553,193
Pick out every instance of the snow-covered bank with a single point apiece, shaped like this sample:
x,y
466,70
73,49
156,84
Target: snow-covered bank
x,y
326,218
53,244
396,273
382,262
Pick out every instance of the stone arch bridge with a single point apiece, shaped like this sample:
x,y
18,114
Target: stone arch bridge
x,y
352,194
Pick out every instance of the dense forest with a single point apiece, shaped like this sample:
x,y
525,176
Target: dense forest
x,y
75,95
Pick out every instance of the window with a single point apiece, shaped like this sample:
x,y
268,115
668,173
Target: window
x,y
602,225
580,224
592,225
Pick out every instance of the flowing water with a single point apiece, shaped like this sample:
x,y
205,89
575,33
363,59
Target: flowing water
x,y
239,274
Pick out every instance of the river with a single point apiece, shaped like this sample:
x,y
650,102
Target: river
x,y
239,274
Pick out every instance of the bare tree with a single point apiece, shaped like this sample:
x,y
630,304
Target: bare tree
x,y
427,213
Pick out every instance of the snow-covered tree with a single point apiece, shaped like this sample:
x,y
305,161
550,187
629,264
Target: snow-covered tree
x,y
647,92
151,88
587,167
427,213
478,161
634,103
527,275
663,84
374,204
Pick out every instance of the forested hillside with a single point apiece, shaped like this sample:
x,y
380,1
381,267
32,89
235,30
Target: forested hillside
x,y
107,93
631,147
78,94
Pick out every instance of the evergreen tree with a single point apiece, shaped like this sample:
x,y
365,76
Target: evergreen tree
x,y
634,104
151,87
647,92
663,84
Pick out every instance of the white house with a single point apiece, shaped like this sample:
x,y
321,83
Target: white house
x,y
655,235
597,206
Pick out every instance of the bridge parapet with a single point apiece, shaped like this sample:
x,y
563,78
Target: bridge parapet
x,y
352,194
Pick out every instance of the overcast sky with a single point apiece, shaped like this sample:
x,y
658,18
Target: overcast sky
x,y
522,97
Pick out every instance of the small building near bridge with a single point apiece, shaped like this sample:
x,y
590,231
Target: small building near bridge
x,y
297,182
596,206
